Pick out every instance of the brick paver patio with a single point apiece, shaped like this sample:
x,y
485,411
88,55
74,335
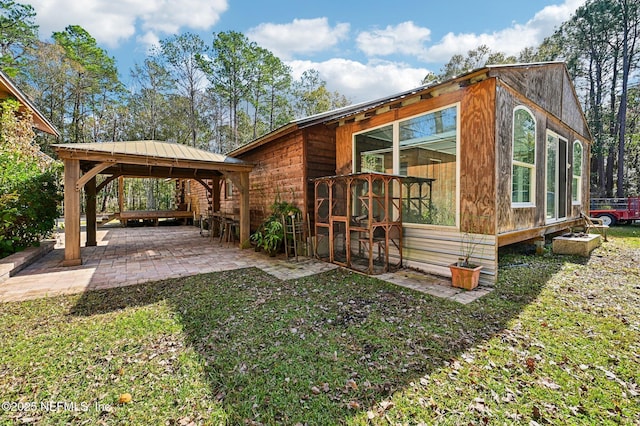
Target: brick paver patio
x,y
128,256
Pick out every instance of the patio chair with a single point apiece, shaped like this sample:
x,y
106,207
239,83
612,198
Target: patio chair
x,y
595,223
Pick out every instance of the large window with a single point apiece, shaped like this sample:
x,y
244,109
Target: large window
x,y
424,149
524,158
576,182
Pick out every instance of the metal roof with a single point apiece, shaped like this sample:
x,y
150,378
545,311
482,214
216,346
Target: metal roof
x,y
359,108
152,149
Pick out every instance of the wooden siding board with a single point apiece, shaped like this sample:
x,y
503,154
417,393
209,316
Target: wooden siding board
x,y
542,85
550,88
320,149
504,147
477,158
571,111
199,198
284,167
278,172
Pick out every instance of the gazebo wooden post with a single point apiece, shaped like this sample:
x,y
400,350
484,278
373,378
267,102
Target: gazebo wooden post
x,y
215,194
71,213
123,222
90,210
245,222
120,193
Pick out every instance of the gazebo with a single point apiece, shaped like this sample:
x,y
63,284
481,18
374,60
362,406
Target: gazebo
x,y
84,161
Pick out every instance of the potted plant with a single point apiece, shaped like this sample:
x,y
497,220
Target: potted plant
x,y
464,273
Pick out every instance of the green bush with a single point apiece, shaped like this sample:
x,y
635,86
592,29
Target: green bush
x,y
29,201
29,188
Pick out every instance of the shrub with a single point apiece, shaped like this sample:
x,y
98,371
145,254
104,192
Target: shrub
x,y
29,186
29,201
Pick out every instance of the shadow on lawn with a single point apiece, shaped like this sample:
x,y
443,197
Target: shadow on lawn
x,y
325,348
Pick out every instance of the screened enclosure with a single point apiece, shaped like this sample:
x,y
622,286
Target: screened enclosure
x,y
358,220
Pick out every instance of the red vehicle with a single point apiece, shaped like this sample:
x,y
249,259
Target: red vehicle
x,y
616,210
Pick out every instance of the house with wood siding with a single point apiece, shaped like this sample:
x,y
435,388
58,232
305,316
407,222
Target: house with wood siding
x,y
504,150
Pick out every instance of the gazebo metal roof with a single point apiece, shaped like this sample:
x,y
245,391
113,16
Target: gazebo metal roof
x,y
150,158
152,149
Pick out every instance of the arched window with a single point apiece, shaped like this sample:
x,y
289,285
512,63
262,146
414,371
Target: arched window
x,y
524,158
576,171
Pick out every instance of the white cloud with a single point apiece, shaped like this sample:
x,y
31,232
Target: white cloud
x,y
302,36
509,40
149,39
112,22
363,82
405,38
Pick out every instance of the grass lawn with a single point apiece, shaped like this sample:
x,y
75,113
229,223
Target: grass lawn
x,y
557,342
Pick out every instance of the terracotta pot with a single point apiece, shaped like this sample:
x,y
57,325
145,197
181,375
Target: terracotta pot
x,y
466,278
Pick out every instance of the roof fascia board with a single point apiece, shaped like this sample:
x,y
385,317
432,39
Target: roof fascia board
x,y
46,125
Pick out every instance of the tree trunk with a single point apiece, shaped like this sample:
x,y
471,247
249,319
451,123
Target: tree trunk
x,y
630,30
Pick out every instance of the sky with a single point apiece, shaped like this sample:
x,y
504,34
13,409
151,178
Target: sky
x,y
362,49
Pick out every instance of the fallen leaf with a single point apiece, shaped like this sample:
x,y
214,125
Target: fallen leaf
x,y
124,398
315,390
531,365
469,358
354,405
535,413
509,397
548,383
351,384
385,405
186,421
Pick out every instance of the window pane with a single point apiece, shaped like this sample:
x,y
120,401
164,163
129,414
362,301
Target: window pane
x,y
521,187
577,172
374,151
577,159
552,155
524,137
428,159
